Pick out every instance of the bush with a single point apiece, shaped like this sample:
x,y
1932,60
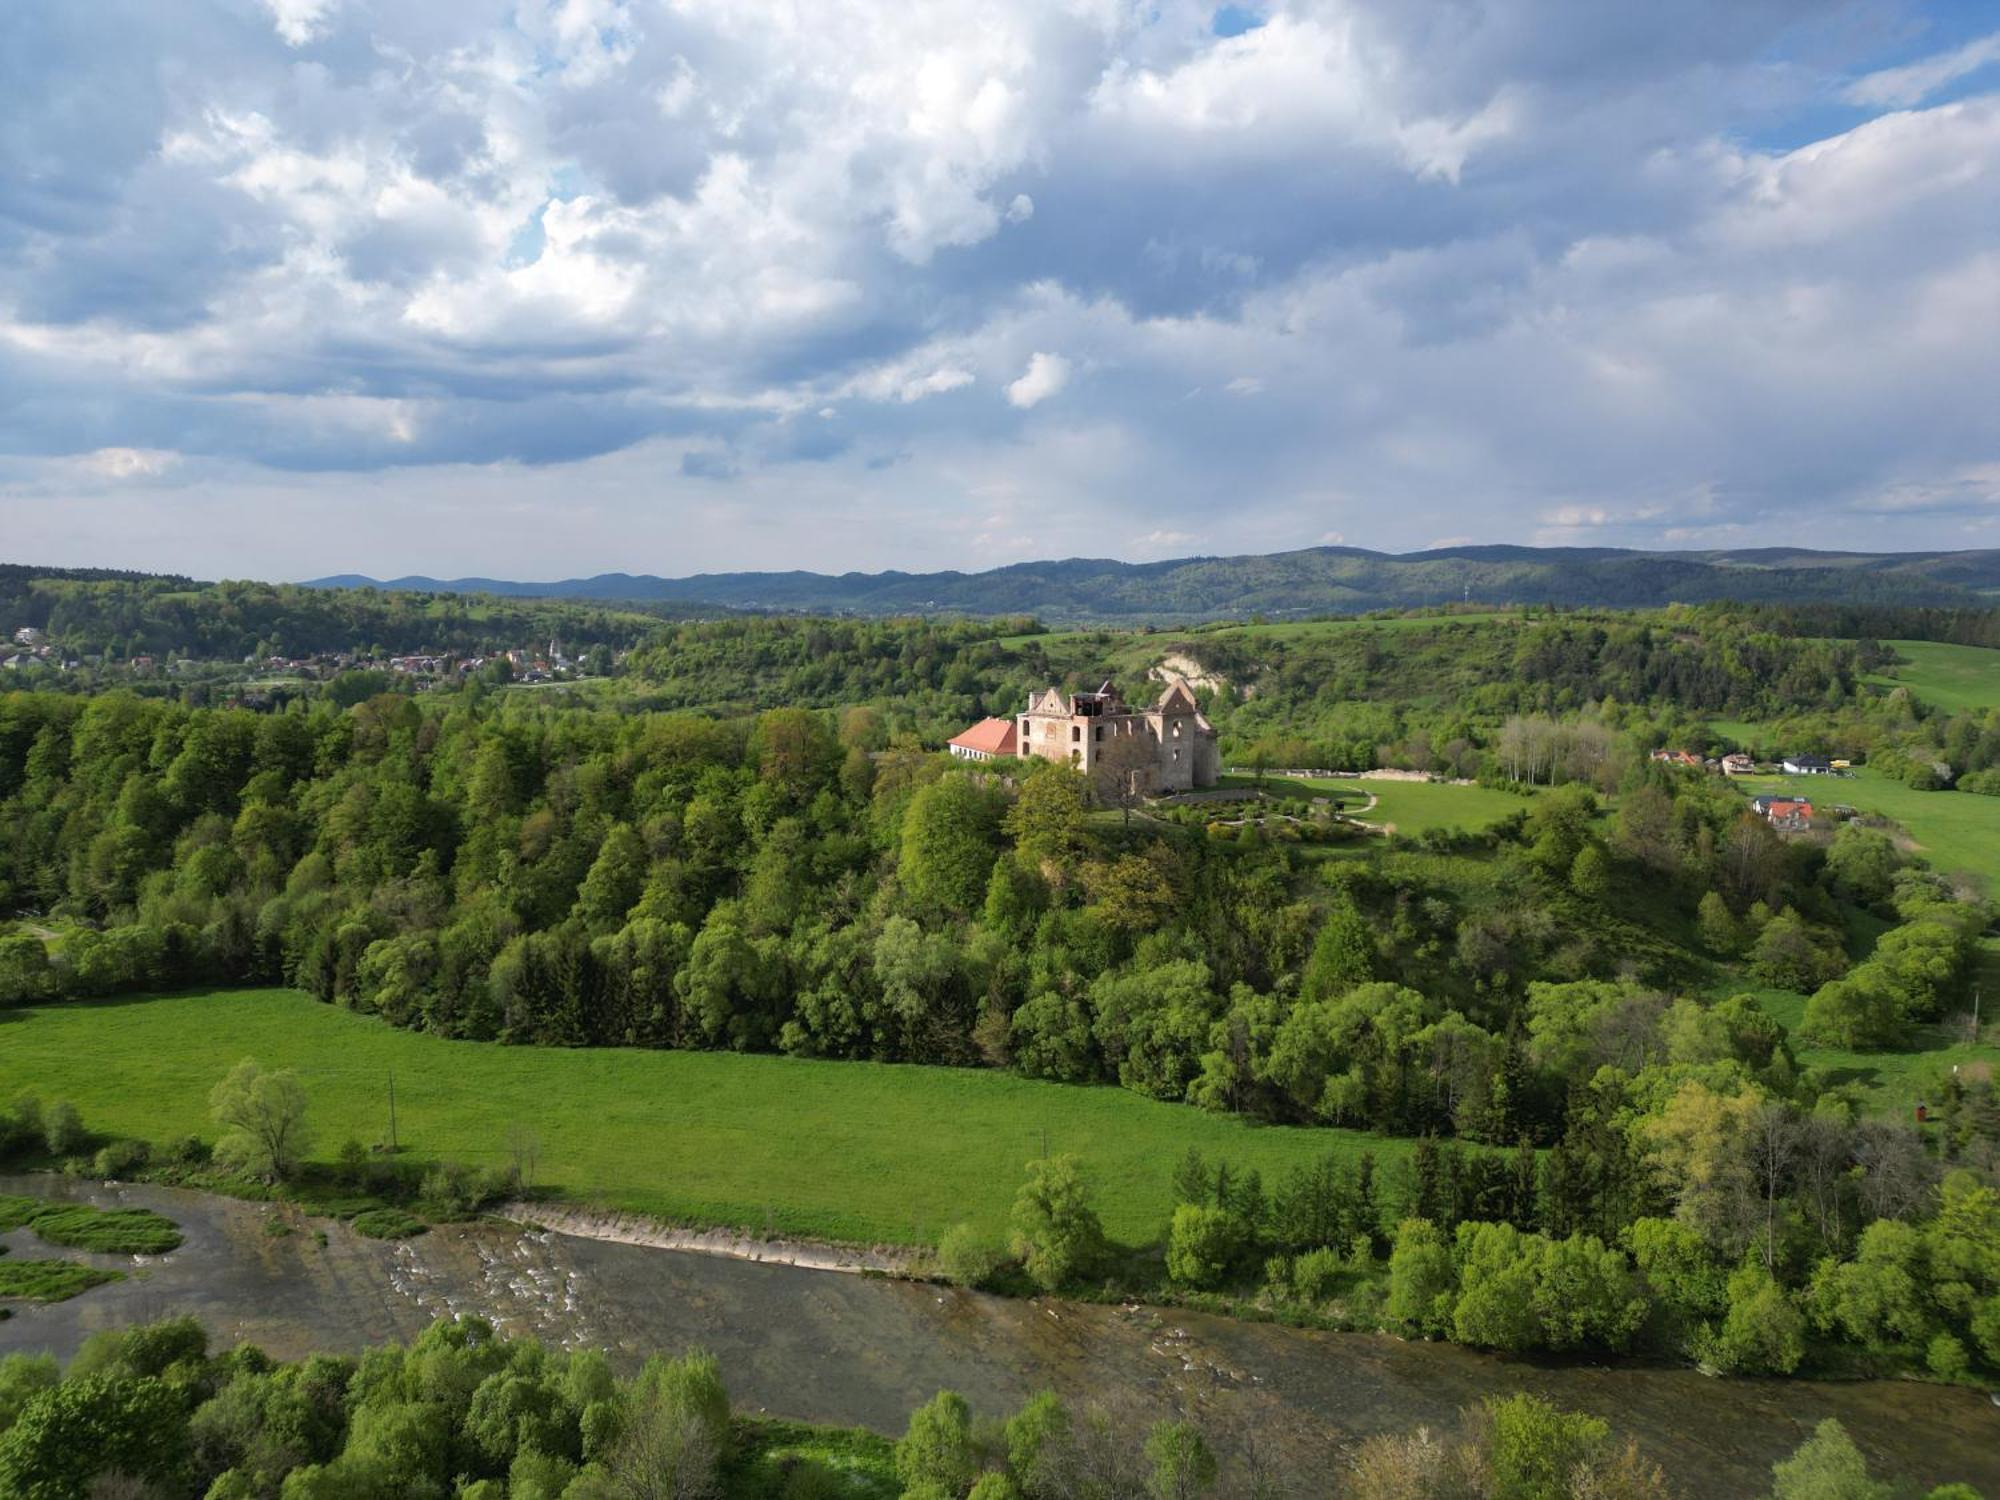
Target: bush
x,y
1201,1244
387,1224
62,1129
967,1257
1947,1358
1314,1275
1056,1232
938,1448
121,1158
1763,1333
1792,954
188,1151
676,1429
1423,1281
451,1190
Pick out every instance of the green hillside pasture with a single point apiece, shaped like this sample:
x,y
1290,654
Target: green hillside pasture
x,y
1296,630
1950,677
1957,832
1289,630
840,1150
1891,1084
1408,806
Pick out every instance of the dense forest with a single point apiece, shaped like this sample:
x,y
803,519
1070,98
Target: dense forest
x,y
95,615
1325,697
748,844
792,881
463,1411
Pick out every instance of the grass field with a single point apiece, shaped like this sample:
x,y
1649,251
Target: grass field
x,y
1890,1083
1293,630
1955,831
136,1231
841,1150
1948,677
1288,630
49,1280
1410,806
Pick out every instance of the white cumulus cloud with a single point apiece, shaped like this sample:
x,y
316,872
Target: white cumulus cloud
x,y
298,21
1046,374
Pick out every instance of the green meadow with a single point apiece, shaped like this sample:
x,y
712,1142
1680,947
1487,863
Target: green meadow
x,y
1282,630
1956,678
1294,630
839,1150
1889,1083
1954,831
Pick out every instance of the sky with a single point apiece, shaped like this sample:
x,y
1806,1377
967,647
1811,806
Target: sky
x,y
541,288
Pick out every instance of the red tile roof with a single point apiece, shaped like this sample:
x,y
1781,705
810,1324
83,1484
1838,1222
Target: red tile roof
x,y
993,736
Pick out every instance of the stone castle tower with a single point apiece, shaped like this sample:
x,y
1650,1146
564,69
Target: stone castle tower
x,y
1169,747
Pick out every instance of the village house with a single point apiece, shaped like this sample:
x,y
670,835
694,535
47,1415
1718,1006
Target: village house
x,y
1678,758
417,665
1807,765
1787,814
1738,764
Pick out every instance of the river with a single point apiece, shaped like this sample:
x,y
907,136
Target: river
x,y
859,1350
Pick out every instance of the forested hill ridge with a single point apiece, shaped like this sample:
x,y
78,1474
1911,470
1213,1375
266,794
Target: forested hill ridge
x,y
96,612
1315,580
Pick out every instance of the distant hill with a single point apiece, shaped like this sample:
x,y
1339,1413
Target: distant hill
x,y
1316,580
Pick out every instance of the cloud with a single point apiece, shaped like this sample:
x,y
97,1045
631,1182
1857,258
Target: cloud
x,y
1573,517
1913,82
1045,376
128,463
735,279
299,21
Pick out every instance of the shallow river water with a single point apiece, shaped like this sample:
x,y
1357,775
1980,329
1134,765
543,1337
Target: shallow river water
x,y
849,1349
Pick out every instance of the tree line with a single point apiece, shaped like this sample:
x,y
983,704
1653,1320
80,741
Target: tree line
x,y
465,1412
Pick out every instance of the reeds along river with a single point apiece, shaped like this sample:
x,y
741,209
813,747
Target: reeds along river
x,y
863,1351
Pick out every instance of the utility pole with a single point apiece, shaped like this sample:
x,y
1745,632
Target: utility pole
x,y
392,1111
